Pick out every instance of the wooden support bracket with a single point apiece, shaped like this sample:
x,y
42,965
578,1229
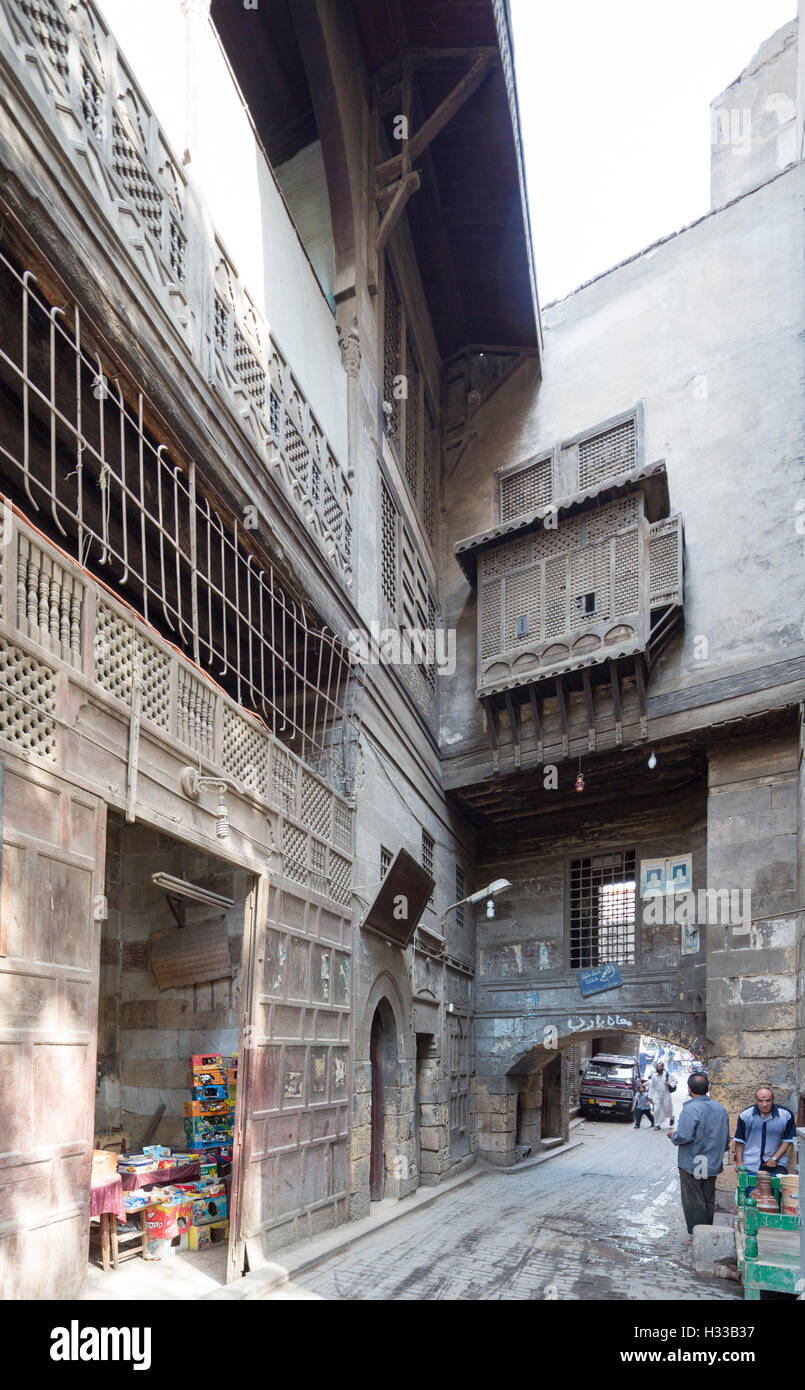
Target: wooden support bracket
x,y
513,712
492,731
391,169
402,193
617,706
590,702
562,704
640,682
535,702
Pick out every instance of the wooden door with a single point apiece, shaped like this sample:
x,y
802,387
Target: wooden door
x,y
376,1158
52,879
252,960
459,1056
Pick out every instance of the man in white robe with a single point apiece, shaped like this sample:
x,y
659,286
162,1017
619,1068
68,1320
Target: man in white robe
x,y
661,1096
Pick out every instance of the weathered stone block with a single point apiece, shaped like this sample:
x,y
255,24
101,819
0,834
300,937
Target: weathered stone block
x,y
432,1138
711,1245
780,1043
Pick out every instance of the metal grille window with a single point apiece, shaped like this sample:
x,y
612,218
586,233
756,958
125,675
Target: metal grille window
x,y
607,454
427,859
78,457
603,910
461,892
385,861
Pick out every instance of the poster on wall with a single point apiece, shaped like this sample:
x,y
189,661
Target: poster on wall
x,y
652,877
680,873
690,938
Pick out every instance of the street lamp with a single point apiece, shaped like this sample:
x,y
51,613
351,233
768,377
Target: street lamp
x,y
490,893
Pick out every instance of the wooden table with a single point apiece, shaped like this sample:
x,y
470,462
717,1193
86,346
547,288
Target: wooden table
x,y
107,1207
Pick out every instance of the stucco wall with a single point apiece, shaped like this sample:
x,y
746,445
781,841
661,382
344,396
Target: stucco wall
x,y
706,330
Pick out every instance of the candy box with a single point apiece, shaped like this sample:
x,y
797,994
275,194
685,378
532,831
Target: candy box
x,y
211,1076
200,1061
136,1163
215,1188
207,1209
196,1109
207,1171
198,1237
165,1222
210,1092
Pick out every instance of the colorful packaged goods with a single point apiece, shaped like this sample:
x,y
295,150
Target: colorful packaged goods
x,y
194,1109
132,1201
208,1170
136,1163
208,1069
208,1134
203,1093
166,1221
199,1237
207,1209
200,1061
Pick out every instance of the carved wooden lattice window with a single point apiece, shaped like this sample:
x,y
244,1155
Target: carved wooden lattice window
x,y
392,355
412,420
430,472
607,454
50,30
525,490
603,895
389,522
135,178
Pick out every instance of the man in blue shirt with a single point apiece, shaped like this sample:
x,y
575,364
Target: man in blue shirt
x,y
701,1136
763,1134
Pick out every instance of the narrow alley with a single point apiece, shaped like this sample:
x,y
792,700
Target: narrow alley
x,y
600,1221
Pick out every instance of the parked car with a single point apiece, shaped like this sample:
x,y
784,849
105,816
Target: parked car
x,y
608,1086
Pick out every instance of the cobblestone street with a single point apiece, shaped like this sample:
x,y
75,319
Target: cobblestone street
x,y
602,1221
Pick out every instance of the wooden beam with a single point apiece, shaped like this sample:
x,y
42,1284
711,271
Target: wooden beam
x,y
405,188
617,707
492,731
562,704
453,102
590,702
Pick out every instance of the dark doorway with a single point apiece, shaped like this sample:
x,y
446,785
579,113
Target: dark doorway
x,y
383,1059
551,1126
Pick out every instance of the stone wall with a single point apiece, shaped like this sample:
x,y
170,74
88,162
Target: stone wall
x,y
753,843
753,121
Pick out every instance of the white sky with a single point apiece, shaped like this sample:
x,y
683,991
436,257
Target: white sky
x,y
615,109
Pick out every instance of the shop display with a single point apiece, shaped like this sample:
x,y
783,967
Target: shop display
x,y
190,1212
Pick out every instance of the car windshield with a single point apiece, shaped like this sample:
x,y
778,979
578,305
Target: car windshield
x,y
609,1071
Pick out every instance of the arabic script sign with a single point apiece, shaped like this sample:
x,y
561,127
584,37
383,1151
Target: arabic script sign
x,y
601,978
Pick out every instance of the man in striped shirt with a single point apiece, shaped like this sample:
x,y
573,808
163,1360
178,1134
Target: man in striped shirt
x,y
763,1134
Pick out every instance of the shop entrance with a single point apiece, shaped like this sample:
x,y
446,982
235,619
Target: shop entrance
x,y
169,1016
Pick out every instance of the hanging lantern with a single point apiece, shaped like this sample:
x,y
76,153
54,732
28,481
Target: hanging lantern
x,y
221,817
580,782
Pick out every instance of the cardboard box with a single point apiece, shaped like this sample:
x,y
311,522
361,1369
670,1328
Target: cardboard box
x,y
104,1164
197,1109
200,1061
210,1092
211,1076
198,1237
159,1249
207,1134
208,1209
165,1222
208,1171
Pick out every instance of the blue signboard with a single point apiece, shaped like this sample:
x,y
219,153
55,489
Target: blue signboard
x,y
601,978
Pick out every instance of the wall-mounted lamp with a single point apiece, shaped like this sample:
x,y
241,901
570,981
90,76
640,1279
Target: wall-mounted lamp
x,y
193,784
652,760
490,893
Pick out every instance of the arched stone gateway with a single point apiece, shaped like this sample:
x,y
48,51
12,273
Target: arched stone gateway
x,y
523,1100
385,1099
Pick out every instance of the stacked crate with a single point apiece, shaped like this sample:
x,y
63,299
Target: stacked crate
x,y
209,1114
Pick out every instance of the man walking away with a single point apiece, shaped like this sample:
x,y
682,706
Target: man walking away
x,y
763,1134
660,1088
701,1136
642,1106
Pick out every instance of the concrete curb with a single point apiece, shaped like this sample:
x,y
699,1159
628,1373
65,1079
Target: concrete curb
x,y
529,1163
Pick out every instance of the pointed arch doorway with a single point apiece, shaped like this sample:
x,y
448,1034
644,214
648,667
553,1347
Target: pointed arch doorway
x,y
385,1097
